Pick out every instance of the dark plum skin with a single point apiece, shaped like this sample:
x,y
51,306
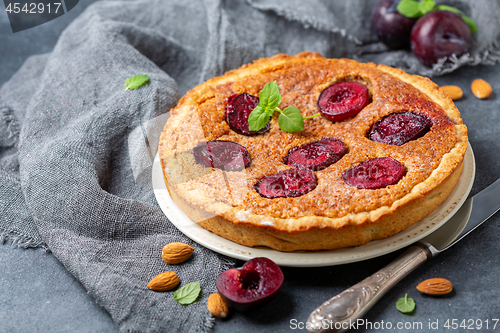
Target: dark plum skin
x,y
392,28
316,155
399,128
224,155
238,109
287,184
254,284
439,34
343,100
374,174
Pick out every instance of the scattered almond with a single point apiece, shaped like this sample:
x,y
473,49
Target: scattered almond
x,y
454,92
435,287
164,281
217,306
481,89
175,253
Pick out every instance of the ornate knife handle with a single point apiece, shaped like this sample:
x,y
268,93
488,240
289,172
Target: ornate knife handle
x,y
342,311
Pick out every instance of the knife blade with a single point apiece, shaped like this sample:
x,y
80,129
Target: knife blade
x,y
340,312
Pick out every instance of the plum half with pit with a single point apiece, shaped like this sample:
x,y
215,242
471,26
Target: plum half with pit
x,y
440,34
316,155
254,284
287,183
343,100
392,28
375,173
238,108
399,128
224,155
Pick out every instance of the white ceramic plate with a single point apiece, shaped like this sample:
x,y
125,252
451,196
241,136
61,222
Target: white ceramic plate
x,y
320,258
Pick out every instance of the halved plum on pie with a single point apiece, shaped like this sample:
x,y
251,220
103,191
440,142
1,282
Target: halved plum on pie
x,y
286,184
399,128
224,155
343,100
374,173
316,155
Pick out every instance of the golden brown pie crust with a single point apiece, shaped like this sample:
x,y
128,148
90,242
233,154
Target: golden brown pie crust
x,y
333,215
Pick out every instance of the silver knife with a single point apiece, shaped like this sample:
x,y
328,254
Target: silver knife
x,y
338,313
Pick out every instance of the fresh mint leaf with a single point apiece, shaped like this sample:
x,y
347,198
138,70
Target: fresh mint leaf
x,y
426,6
449,8
472,25
270,96
258,118
409,8
414,8
291,120
405,305
188,294
136,81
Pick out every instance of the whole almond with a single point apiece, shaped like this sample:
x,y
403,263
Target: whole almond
x,y
435,287
217,306
454,92
175,253
164,281
481,89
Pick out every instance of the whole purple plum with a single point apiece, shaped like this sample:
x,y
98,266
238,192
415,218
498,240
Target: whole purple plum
x,y
392,28
439,34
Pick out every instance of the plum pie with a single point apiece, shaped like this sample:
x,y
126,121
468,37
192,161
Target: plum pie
x,y
386,150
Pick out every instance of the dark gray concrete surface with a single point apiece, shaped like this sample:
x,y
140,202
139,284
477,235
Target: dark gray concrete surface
x,y
38,295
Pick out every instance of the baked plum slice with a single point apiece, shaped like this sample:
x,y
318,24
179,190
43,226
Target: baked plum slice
x,y
237,110
254,284
316,155
399,128
375,173
286,184
343,100
224,155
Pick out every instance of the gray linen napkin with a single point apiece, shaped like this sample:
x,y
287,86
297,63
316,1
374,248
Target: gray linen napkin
x,y
74,161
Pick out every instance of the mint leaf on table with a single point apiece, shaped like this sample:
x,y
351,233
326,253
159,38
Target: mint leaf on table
x,y
472,25
290,119
136,81
188,294
405,305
